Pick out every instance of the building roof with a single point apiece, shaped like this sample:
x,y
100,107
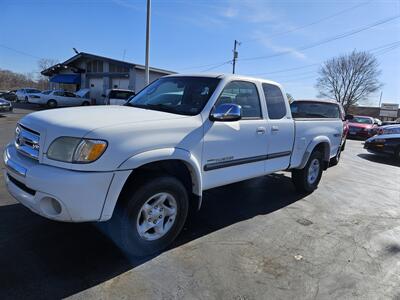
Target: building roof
x,y
53,69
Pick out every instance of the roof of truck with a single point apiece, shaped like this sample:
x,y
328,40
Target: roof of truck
x,y
224,76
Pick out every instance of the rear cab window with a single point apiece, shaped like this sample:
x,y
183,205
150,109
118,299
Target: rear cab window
x,y
276,104
315,110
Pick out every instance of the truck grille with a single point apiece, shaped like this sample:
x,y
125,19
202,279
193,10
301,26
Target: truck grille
x,y
27,141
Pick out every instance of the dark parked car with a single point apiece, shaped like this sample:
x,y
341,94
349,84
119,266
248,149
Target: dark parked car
x,y
386,144
5,106
10,96
389,129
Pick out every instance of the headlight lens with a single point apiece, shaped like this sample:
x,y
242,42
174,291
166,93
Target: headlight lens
x,y
76,150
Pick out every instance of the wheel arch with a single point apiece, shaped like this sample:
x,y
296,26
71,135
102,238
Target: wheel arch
x,y
177,162
321,143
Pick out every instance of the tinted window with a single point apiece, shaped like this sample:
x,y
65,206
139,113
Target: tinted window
x,y
306,109
275,102
244,94
180,95
69,94
362,120
59,93
120,95
32,91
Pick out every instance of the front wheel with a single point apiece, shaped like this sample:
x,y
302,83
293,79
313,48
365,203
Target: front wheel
x,y
149,218
85,103
307,179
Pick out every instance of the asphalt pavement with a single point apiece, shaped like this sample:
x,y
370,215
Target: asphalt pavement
x,y
258,239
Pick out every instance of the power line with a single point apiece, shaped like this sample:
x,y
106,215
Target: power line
x,y
377,51
328,40
324,41
312,23
217,66
20,52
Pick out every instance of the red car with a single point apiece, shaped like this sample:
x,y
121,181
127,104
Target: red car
x,y
362,127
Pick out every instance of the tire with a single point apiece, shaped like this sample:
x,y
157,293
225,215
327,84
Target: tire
x,y
52,103
132,214
85,103
26,99
344,145
300,177
335,160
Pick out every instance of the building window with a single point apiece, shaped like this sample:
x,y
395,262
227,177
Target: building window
x,y
116,68
94,66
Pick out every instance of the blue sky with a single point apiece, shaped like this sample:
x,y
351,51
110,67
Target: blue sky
x,y
193,36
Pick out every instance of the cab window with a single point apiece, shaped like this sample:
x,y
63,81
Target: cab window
x,y
275,101
245,94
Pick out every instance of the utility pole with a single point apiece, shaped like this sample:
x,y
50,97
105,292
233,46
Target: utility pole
x,y
235,55
147,73
380,99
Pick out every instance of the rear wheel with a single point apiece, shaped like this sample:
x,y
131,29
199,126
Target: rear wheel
x,y
85,103
52,103
307,179
335,160
150,217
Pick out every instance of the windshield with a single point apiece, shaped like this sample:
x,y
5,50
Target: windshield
x,y
46,92
361,120
180,95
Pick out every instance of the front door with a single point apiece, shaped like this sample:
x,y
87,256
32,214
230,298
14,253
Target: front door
x,y
235,151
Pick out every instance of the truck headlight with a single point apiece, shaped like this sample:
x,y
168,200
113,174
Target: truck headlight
x,y
76,150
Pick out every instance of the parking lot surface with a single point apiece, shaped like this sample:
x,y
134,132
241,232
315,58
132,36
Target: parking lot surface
x,y
257,239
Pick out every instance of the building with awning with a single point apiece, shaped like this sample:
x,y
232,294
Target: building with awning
x,y
98,74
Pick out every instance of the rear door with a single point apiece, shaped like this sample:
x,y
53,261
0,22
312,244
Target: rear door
x,y
280,130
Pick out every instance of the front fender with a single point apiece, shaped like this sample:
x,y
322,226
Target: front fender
x,y
125,169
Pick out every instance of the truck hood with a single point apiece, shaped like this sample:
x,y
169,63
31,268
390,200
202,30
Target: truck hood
x,y
79,121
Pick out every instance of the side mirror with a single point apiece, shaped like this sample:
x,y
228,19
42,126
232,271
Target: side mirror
x,y
227,112
348,117
103,95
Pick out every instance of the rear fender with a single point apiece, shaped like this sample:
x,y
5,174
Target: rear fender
x,y
312,145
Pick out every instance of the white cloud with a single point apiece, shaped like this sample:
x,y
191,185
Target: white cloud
x,y
267,43
230,12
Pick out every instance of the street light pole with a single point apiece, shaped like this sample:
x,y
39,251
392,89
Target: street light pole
x,y
147,73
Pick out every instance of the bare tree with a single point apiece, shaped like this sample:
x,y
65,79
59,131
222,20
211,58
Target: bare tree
x,y
349,78
43,64
289,97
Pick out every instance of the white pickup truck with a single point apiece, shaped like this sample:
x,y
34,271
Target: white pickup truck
x,y
143,164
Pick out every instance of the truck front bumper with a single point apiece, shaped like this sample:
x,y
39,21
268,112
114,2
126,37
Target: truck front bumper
x,y
56,193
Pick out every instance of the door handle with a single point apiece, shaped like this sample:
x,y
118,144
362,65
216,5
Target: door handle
x,y
261,130
337,135
275,128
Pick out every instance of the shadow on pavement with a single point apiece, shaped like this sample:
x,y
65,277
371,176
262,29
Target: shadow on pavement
x,y
50,260
381,159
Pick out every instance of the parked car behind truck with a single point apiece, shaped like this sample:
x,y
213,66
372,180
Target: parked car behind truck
x,y
143,164
56,98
